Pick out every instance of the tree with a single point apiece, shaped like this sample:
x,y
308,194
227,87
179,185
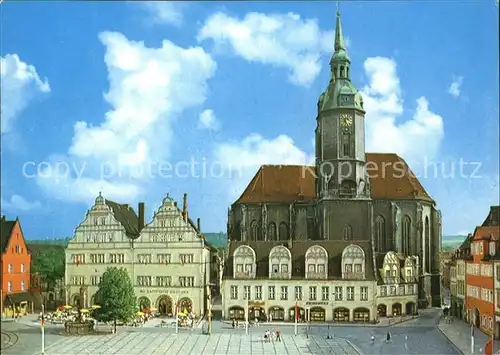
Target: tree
x,y
49,262
115,296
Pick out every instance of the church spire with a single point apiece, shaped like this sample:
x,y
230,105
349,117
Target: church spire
x,y
339,36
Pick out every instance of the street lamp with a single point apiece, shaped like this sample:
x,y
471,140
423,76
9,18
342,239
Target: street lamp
x,y
334,294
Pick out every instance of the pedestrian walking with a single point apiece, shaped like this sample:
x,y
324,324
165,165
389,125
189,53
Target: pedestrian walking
x,y
388,338
278,335
267,335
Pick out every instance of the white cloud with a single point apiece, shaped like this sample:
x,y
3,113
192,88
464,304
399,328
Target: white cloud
x,y
207,120
413,139
164,12
148,89
386,132
282,40
20,83
19,203
455,86
242,159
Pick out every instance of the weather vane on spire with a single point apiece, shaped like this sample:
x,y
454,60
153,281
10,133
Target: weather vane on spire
x,y
338,6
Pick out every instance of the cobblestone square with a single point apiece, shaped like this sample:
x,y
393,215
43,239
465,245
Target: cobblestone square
x,y
192,343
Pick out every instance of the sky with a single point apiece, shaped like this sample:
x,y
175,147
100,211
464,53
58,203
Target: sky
x,y
137,100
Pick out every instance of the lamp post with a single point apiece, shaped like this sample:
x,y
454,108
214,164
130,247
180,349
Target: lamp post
x,y
209,313
246,317
177,315
43,329
334,294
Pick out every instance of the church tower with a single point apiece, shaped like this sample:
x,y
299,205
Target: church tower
x,y
340,132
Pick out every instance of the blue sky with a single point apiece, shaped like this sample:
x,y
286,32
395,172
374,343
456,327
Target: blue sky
x,y
93,86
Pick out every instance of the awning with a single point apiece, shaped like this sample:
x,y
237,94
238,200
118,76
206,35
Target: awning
x,y
17,298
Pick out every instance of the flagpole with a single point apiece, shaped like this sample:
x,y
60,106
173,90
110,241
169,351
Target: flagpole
x,y
472,338
493,316
177,315
43,330
296,318
246,318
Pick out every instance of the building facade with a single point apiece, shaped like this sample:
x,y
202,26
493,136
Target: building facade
x,y
480,278
354,237
458,281
16,297
167,259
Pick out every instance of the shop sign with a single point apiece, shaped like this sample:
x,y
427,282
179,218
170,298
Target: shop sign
x,y
316,303
163,291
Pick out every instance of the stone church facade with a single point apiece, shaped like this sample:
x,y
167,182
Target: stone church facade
x,y
353,238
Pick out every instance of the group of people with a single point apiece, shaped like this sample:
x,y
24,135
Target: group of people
x,y
272,335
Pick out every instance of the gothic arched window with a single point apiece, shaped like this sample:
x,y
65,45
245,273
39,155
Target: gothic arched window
x,y
380,237
342,71
271,231
283,231
406,235
237,232
427,234
254,230
347,235
346,144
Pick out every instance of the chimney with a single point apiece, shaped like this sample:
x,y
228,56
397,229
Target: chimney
x,y
185,207
198,225
141,216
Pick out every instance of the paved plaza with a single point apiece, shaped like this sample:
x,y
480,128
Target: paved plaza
x,y
418,336
146,343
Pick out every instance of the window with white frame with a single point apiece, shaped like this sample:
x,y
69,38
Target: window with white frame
x,y
364,293
393,290
186,281
22,268
350,293
247,295
144,280
234,292
163,258
95,280
163,281
22,285
9,286
338,293
298,293
258,292
383,291
10,268
312,293
186,258
284,293
325,293
271,293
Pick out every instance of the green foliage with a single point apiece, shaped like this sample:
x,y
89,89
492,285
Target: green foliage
x,y
115,296
50,264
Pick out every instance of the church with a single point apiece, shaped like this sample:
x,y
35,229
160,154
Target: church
x,y
352,239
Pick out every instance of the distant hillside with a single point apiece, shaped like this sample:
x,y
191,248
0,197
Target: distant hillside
x,y
452,242
55,241
217,240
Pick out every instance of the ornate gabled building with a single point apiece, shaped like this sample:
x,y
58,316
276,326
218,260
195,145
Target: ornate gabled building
x,y
167,259
352,238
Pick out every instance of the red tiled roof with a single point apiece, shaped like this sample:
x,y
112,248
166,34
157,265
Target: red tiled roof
x,y
390,178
